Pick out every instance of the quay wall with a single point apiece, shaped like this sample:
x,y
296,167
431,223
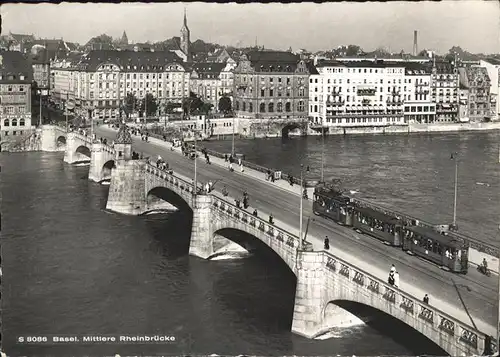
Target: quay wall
x,y
30,141
410,128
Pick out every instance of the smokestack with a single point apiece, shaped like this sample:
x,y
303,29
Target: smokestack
x,y
415,46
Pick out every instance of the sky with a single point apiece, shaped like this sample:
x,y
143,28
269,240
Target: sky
x,y
473,25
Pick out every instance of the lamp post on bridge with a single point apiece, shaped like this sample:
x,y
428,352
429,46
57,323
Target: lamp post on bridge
x,y
322,153
301,202
454,156
40,114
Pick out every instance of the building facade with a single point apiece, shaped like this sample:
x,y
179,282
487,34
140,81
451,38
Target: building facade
x,y
41,68
418,104
101,80
493,68
205,82
16,76
477,83
271,85
445,91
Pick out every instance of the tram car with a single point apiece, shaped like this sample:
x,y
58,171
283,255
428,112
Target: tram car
x,y
378,225
441,249
330,203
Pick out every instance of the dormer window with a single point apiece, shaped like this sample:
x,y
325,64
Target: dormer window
x,y
135,67
22,78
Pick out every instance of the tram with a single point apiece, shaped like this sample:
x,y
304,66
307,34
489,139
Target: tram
x,y
330,203
444,250
378,224
441,249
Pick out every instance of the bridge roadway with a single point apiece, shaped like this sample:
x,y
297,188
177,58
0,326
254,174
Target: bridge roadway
x,y
478,293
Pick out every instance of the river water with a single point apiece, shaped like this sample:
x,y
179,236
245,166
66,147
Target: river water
x,y
71,268
410,173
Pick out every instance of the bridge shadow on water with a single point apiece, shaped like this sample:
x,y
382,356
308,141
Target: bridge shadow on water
x,y
393,328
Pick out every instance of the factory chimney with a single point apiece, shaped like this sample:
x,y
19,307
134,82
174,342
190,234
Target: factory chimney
x,y
415,46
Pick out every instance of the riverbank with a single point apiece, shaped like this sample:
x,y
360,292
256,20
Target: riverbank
x,y
412,129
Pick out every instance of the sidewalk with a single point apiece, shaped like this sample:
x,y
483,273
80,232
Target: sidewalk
x,y
377,272
260,176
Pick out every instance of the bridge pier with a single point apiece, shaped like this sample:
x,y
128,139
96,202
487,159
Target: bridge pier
x,y
309,296
202,237
127,188
313,315
97,161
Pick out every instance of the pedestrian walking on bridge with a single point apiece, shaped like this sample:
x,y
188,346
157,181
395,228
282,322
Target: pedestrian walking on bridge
x,y
327,243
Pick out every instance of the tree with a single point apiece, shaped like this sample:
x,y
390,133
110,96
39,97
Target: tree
x,y
206,108
191,104
225,105
149,104
130,104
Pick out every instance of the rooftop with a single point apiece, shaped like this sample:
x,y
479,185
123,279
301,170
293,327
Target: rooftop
x,y
275,61
143,61
208,70
13,65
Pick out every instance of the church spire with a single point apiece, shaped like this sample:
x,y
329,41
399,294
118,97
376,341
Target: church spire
x,y
185,18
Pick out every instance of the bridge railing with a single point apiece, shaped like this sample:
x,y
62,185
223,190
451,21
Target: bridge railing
x,y
227,208
430,315
262,225
182,184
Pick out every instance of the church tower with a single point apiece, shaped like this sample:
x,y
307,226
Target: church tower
x,y
124,39
185,37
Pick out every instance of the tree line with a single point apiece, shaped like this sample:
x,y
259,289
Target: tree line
x,y
192,105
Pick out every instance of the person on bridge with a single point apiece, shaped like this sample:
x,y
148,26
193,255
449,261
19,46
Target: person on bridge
x,y
224,191
271,219
231,167
255,214
396,279
426,299
484,267
393,269
391,278
327,243
245,202
225,157
237,203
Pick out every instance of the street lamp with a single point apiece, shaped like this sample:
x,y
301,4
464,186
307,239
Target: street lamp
x,y
66,110
322,152
232,148
40,114
454,156
301,200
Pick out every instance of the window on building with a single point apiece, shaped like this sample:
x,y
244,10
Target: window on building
x,y
250,107
287,80
271,92
288,107
279,107
6,122
22,122
270,107
262,107
14,122
262,93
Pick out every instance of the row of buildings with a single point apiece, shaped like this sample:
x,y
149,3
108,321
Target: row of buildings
x,y
355,91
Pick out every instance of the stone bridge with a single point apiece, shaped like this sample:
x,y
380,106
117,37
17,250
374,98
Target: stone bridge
x,y
81,148
324,281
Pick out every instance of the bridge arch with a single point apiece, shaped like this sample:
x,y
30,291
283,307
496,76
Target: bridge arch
x,y
163,198
344,313
61,141
106,169
82,149
248,241
285,131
